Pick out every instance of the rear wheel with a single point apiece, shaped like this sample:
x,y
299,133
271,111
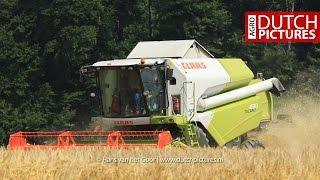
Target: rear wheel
x,y
236,142
251,143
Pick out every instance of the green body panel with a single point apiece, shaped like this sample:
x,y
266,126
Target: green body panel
x,y
188,129
168,119
236,118
270,100
190,134
239,72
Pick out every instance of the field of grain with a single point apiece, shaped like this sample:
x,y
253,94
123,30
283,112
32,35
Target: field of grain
x,y
292,151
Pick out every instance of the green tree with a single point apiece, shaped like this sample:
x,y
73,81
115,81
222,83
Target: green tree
x,y
27,101
206,21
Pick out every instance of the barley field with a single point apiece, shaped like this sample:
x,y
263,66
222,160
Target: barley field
x,y
292,152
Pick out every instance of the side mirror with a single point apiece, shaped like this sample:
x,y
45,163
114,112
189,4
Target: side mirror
x,y
169,74
92,98
81,78
92,94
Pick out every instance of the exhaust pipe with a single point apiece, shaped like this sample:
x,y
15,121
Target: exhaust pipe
x,y
272,84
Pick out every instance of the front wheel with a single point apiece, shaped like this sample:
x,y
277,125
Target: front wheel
x,y
203,139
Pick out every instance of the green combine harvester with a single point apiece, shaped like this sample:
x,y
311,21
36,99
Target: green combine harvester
x,y
178,87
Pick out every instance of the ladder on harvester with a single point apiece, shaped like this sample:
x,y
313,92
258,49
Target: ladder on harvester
x,y
193,135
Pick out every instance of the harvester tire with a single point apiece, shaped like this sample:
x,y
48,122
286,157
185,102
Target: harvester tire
x,y
203,139
251,143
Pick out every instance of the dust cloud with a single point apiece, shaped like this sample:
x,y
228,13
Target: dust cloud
x,y
296,125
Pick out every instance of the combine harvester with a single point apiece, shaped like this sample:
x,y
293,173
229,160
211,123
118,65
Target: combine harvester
x,y
169,92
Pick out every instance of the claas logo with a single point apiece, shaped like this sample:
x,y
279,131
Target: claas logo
x,y
193,65
123,122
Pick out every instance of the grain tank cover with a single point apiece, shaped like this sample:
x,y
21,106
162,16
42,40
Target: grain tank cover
x,y
169,49
239,72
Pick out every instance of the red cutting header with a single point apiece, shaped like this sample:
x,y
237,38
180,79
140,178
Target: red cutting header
x,y
282,27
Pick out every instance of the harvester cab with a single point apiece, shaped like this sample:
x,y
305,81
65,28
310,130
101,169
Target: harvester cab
x,y
130,88
179,93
